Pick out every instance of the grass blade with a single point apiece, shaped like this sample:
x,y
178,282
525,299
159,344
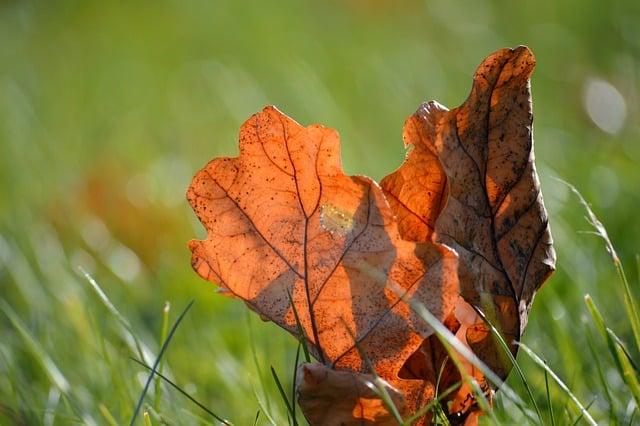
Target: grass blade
x,y
513,360
601,376
284,396
53,401
440,329
623,361
183,392
163,337
627,371
164,347
264,404
295,379
582,413
201,420
560,383
111,421
111,308
263,409
629,301
47,364
301,336
432,404
147,418
480,396
624,349
596,315
549,404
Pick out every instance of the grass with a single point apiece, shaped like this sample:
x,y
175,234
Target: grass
x,y
108,108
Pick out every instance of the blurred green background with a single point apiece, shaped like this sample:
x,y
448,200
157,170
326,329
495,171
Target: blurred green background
x,y
107,108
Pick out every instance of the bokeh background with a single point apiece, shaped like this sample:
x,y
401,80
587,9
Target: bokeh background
x,y
107,108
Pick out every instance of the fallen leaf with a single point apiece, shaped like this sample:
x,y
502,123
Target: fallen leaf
x,y
285,225
417,191
487,206
333,397
283,218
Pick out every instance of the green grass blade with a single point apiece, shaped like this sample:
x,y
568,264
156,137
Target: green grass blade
x,y
629,374
147,418
630,304
629,301
624,349
440,329
623,361
479,394
549,404
440,373
114,311
432,404
514,362
582,413
201,420
184,393
301,336
560,383
163,337
45,361
596,315
607,334
53,401
601,376
111,421
295,379
263,408
254,355
284,396
438,411
164,347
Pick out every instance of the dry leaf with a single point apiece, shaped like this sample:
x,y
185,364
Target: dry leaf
x,y
333,397
285,224
283,218
417,191
488,207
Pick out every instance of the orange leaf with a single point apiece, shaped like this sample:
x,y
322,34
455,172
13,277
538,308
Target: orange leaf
x,y
417,191
331,397
493,214
285,223
283,217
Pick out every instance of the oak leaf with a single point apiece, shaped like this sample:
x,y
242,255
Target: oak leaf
x,y
460,225
470,182
334,397
283,219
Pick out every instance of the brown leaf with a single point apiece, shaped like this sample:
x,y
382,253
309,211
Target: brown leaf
x,y
283,217
417,190
492,214
331,397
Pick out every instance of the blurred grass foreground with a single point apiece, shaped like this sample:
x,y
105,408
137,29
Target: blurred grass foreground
x,y
107,108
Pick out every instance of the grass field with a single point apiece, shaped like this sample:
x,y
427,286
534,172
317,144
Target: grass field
x,y
107,108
